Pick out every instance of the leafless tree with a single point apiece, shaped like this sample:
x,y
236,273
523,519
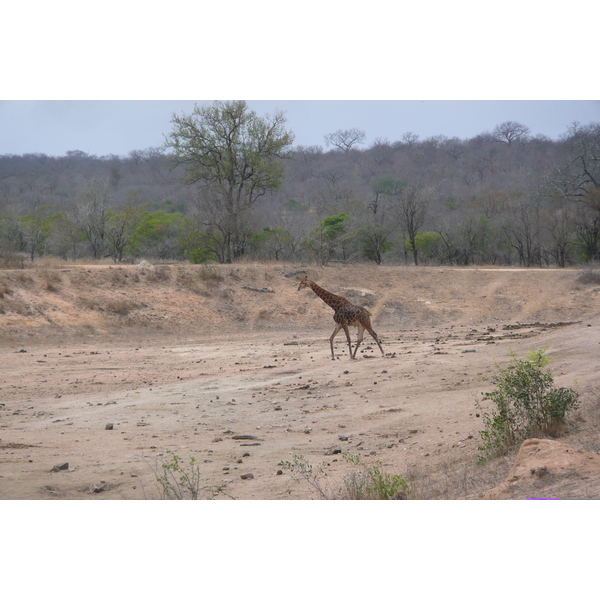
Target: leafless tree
x,y
345,139
90,215
511,132
412,206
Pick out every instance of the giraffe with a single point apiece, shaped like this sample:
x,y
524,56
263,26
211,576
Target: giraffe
x,y
346,315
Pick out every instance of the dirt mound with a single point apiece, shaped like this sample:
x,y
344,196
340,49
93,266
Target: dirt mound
x,y
550,469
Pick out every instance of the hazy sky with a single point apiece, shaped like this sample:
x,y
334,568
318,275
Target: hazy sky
x,y
102,127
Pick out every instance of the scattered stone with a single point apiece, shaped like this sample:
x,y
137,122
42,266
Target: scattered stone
x,y
109,426
246,437
343,438
247,476
279,472
333,450
217,439
263,289
96,489
63,466
142,424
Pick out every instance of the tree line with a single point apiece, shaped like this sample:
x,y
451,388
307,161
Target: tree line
x,y
228,183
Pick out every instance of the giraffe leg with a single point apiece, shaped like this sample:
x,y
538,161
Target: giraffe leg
x,y
376,338
361,330
349,340
335,332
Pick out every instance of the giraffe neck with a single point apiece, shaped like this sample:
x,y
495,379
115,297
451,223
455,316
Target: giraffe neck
x,y
327,297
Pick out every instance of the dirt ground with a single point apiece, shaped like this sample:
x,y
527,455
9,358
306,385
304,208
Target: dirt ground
x,y
110,369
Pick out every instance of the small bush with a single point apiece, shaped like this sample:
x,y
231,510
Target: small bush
x,y
121,306
373,484
589,277
208,273
51,280
368,483
527,405
179,481
159,273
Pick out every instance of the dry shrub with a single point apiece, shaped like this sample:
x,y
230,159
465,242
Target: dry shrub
x,y
89,303
17,306
158,274
51,280
211,276
117,276
120,306
589,277
23,278
12,261
4,289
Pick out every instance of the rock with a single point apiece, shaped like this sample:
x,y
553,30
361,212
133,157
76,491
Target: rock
x,y
109,426
333,450
246,437
247,476
59,467
96,489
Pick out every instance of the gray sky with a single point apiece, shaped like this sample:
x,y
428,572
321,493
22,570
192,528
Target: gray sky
x,y
102,127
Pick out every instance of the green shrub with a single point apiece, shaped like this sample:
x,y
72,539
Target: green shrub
x,y
526,405
368,483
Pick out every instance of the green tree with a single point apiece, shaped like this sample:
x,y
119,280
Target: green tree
x,y
234,156
121,228
272,242
36,229
429,244
329,237
158,235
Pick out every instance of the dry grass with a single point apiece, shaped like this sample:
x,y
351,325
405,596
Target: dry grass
x,y
457,478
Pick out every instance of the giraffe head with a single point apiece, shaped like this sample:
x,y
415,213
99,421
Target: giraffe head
x,y
304,283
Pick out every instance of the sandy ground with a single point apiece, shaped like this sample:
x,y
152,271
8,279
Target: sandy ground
x,y
245,381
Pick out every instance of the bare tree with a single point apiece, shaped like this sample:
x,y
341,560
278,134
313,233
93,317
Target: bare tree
x,y
511,132
412,206
345,139
90,215
578,181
